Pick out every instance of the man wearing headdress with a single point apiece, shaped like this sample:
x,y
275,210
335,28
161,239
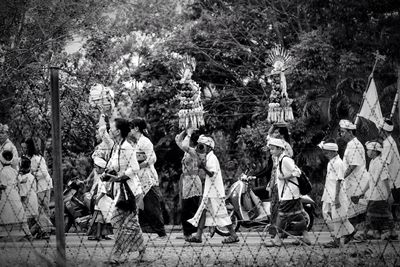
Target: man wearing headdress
x,y
355,176
6,144
390,153
334,199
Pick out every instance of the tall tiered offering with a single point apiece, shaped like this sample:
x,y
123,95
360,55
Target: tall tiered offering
x,y
191,109
279,107
102,97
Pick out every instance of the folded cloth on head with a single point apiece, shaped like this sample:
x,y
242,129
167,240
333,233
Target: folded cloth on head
x,y
346,124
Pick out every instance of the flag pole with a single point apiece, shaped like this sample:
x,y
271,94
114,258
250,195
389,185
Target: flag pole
x,y
397,100
370,77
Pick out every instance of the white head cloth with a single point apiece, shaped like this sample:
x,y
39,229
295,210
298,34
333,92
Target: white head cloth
x,y
276,142
330,146
374,146
206,140
100,162
387,127
346,124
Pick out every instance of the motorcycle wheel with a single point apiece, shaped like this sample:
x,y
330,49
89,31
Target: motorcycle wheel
x,y
223,231
309,216
68,222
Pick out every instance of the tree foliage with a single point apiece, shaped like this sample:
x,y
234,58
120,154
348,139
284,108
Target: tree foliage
x,y
136,48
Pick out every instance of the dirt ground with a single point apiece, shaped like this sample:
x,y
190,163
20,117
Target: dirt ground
x,y
373,253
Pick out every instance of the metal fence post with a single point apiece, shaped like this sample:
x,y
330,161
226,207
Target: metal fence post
x,y
57,172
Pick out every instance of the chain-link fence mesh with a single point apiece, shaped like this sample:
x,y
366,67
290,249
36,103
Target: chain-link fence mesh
x,y
118,214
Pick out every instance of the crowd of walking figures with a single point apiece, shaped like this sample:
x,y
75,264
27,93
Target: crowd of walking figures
x,y
126,195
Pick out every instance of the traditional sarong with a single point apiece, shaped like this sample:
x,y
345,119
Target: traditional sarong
x,y
291,217
127,233
189,208
151,218
216,212
379,216
274,208
337,222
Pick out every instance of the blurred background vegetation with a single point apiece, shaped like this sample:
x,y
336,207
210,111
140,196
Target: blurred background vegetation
x,y
136,46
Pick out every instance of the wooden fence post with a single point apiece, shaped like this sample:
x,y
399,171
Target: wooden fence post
x,y
57,172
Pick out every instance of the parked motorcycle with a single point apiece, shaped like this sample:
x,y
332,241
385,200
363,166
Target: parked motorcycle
x,y
76,206
245,212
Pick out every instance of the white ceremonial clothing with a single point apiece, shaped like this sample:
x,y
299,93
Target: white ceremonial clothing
x,y
286,189
358,179
27,188
106,203
337,220
123,160
390,155
213,186
213,200
41,173
148,176
378,171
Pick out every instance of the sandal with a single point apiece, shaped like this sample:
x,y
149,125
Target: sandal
x,y
144,259
349,237
301,241
332,244
93,238
193,239
230,240
107,238
274,244
114,262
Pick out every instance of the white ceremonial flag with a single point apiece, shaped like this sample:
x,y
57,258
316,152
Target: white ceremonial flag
x,y
371,109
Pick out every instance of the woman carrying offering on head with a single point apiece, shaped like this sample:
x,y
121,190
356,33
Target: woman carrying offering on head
x,y
190,181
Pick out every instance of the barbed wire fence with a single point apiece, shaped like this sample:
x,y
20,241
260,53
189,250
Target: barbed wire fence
x,y
30,235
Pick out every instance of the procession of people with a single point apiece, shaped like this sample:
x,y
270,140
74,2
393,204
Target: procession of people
x,y
127,197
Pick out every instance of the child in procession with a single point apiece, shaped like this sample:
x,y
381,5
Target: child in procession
x,y
379,217
27,191
100,226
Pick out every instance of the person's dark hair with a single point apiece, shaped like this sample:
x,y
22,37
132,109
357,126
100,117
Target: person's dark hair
x,y
25,164
30,147
194,138
7,155
107,120
123,126
330,140
284,132
142,126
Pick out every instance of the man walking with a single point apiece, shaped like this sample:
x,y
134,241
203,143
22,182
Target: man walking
x,y
334,199
212,210
390,154
355,176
